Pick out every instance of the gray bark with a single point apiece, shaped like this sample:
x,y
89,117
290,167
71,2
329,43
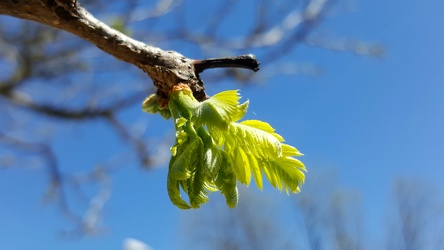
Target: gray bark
x,y
165,68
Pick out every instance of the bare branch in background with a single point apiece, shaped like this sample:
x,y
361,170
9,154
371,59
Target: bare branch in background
x,y
348,45
330,215
325,217
418,218
248,226
90,223
161,8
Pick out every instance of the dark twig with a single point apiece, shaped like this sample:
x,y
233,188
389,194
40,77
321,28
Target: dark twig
x,y
245,61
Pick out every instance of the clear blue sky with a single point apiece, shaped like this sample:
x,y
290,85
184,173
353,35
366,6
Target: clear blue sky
x,y
370,120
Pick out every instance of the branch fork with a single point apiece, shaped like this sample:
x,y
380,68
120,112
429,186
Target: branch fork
x,y
165,68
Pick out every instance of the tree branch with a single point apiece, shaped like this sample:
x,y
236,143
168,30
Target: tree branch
x,y
166,68
80,22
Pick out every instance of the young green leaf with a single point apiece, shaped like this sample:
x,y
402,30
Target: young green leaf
x,y
213,151
152,105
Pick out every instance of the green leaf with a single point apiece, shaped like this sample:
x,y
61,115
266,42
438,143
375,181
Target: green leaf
x,y
212,155
259,125
197,183
213,151
289,171
174,192
183,103
242,166
288,150
189,149
226,182
180,122
220,110
241,111
256,141
181,137
183,163
226,103
255,168
152,105
255,148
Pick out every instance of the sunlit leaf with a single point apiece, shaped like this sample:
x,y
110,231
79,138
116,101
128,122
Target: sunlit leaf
x,y
213,151
180,122
242,166
226,182
257,174
182,164
220,110
196,184
174,193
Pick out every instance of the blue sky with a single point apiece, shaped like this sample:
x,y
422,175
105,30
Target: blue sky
x,y
369,120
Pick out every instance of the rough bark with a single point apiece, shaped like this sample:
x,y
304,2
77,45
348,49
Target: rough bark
x,y
165,68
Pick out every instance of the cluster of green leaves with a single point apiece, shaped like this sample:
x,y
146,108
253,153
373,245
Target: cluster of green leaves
x,y
213,150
